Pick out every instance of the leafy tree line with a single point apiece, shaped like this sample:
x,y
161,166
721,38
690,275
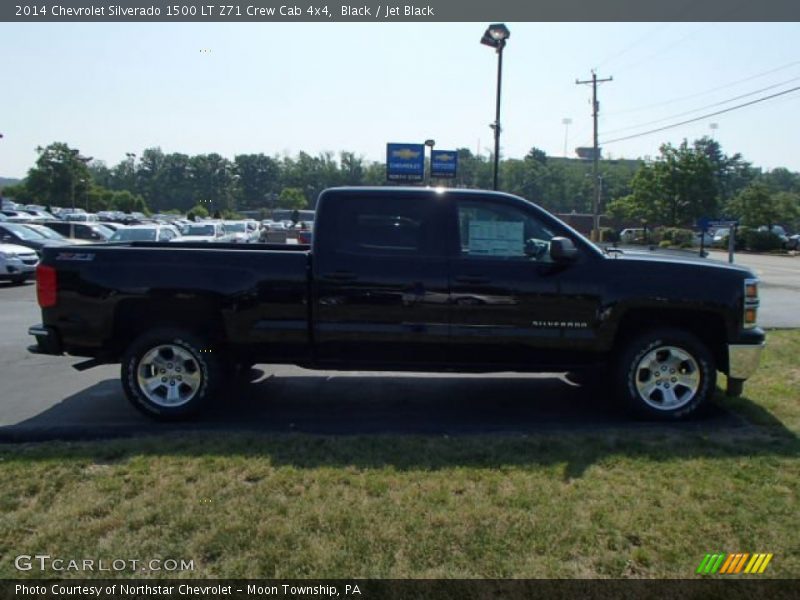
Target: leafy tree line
x,y
682,184
688,182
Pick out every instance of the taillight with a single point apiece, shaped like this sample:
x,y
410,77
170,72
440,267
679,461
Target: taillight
x,y
46,286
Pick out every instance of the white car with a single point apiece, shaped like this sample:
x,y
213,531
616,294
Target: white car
x,y
17,263
81,217
203,231
146,233
240,232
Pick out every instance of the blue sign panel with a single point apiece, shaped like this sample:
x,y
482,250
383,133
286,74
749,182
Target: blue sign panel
x,y
444,163
405,162
705,223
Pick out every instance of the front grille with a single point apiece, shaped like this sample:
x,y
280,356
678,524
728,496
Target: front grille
x,y
29,259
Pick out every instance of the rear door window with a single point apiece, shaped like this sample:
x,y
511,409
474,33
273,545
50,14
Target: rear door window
x,y
388,226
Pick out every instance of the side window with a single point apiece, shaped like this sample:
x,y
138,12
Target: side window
x,y
387,226
489,230
164,235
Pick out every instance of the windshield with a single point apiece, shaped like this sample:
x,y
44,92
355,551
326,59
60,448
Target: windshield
x,y
46,232
23,232
199,230
134,235
104,231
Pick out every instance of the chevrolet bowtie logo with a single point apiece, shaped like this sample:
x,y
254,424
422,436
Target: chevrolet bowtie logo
x,y
405,153
445,157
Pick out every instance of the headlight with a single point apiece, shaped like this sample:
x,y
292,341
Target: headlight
x,y
9,254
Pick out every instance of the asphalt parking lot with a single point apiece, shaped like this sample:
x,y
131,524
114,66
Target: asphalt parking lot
x,y
42,397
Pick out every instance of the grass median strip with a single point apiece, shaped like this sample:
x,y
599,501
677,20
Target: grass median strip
x,y
645,503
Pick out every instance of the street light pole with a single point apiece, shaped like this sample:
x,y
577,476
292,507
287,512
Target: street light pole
x,y
430,144
495,37
566,122
497,112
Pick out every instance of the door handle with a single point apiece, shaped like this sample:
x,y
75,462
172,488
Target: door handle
x,y
471,279
340,275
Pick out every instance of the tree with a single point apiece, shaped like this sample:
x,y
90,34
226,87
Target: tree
x,y
292,198
18,192
732,173
756,206
60,177
127,202
213,178
676,189
197,211
258,180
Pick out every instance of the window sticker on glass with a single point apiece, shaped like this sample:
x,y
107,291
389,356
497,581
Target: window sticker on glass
x,y
496,238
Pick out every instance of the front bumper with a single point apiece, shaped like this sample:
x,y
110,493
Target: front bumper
x,y
743,359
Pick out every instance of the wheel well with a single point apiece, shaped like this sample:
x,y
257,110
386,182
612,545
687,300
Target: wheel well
x,y
135,317
708,326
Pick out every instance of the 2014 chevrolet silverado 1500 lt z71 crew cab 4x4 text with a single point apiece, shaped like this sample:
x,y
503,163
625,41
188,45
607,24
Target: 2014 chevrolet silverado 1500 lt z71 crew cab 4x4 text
x,y
414,279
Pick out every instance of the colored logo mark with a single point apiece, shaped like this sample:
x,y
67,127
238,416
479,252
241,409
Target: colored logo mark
x,y
733,564
405,153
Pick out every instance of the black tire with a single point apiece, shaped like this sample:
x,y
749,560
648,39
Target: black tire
x,y
665,374
19,280
190,367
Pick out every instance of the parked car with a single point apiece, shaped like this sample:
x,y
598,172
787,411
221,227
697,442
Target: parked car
x,y
17,233
17,263
537,296
203,231
146,233
91,232
635,235
39,214
14,214
703,238
240,232
778,231
81,217
793,243
50,234
720,237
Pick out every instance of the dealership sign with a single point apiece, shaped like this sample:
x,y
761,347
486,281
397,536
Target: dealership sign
x,y
444,163
405,162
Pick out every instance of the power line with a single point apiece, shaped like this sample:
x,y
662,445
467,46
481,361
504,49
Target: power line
x,y
660,52
695,95
626,49
694,110
713,114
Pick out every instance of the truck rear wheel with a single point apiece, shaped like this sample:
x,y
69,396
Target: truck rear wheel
x,y
170,374
666,374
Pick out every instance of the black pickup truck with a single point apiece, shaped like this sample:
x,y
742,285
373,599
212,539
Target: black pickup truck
x,y
414,279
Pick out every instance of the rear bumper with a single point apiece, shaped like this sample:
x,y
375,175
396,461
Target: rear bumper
x,y
47,340
743,359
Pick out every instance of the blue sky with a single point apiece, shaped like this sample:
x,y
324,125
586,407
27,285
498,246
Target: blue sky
x,y
109,88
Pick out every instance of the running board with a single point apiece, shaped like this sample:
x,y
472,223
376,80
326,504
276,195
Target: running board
x,y
89,364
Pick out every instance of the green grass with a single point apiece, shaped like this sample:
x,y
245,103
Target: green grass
x,y
647,502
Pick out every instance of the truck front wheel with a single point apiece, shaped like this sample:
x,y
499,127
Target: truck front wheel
x,y
170,374
666,374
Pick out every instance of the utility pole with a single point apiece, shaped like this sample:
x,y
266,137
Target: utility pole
x,y
595,154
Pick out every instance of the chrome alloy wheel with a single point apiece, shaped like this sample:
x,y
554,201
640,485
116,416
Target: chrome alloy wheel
x,y
667,378
169,376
